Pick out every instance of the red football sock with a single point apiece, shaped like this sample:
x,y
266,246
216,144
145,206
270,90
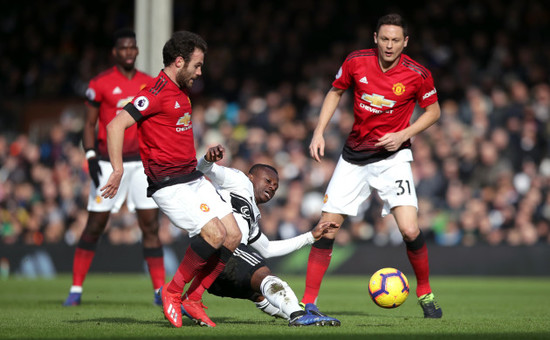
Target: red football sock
x,y
81,264
421,266
317,265
191,264
194,260
198,286
156,271
208,275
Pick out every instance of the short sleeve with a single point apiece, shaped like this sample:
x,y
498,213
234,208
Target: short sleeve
x,y
93,94
427,94
343,78
144,104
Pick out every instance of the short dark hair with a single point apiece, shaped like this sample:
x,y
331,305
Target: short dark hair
x,y
182,44
123,33
393,19
259,166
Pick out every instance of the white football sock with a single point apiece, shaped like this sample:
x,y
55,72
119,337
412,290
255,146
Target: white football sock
x,y
280,295
269,309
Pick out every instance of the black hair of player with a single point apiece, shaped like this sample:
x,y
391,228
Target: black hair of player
x,y
259,166
123,33
182,44
395,20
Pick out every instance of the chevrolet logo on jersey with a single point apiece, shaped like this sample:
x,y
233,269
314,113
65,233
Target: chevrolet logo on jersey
x,y
184,120
122,102
377,100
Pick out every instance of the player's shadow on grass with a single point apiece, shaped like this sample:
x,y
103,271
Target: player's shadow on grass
x,y
117,320
336,314
95,303
254,322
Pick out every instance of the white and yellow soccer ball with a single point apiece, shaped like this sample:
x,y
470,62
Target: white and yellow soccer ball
x,y
388,288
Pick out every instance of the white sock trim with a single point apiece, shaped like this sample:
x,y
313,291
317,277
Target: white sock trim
x,y
76,289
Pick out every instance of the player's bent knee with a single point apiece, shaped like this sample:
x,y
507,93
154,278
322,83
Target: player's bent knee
x,y
410,233
233,231
214,233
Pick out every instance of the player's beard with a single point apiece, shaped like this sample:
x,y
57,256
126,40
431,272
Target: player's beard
x,y
184,79
128,67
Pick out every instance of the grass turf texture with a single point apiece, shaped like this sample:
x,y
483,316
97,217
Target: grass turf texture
x,y
120,307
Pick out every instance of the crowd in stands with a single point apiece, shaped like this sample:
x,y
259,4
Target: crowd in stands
x,y
482,172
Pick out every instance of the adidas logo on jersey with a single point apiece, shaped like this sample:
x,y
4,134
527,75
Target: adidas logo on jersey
x,y
117,90
177,105
363,80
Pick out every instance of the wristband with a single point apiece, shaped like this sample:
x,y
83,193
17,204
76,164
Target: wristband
x,y
90,153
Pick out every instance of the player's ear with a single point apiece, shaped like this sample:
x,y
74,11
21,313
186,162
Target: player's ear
x,y
251,177
375,39
406,41
180,62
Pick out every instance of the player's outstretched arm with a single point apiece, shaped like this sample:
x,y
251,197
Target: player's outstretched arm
x,y
268,248
115,141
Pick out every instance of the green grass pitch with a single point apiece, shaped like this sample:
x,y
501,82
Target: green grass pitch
x,y
120,307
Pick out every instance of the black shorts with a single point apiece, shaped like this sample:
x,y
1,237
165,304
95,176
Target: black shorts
x,y
234,281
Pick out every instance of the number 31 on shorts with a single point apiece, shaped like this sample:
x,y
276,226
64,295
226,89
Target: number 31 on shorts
x,y
403,187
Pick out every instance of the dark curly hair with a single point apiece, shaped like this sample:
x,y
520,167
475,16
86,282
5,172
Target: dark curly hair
x,y
182,44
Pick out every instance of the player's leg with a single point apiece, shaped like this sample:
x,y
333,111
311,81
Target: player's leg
x,y
202,247
417,252
152,247
197,208
98,214
148,219
395,184
216,263
85,252
274,293
280,296
319,260
346,191
192,305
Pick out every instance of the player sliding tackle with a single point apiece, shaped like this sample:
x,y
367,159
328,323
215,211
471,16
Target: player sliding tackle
x,y
246,275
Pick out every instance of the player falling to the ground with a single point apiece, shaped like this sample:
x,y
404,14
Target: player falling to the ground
x,y
377,154
246,275
163,112
107,94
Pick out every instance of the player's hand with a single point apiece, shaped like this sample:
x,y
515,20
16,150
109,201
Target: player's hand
x,y
113,183
94,169
214,153
324,228
391,141
317,147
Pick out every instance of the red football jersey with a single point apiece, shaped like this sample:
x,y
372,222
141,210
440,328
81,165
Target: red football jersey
x,y
167,147
383,101
110,91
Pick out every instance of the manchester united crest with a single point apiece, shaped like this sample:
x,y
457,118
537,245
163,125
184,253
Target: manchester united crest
x,y
398,89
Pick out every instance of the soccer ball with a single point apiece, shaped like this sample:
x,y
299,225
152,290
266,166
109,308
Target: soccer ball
x,y
388,288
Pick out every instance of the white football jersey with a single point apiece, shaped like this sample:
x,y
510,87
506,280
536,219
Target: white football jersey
x,y
235,188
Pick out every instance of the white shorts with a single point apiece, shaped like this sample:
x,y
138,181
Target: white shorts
x,y
352,184
191,205
133,189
